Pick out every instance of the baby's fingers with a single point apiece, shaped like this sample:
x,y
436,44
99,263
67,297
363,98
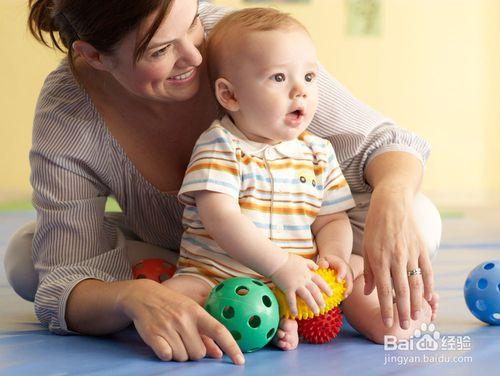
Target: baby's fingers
x,y
323,263
312,265
348,284
292,302
316,294
307,297
320,282
341,269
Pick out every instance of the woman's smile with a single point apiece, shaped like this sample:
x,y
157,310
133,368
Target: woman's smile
x,y
183,78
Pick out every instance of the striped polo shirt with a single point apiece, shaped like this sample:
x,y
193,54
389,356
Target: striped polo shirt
x,y
281,188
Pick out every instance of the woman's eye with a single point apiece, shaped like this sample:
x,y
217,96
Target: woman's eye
x,y
279,77
309,77
195,23
161,51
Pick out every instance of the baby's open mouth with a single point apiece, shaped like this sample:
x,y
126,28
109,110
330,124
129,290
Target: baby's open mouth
x,y
294,117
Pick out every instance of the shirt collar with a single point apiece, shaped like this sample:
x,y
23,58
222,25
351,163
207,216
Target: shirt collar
x,y
290,148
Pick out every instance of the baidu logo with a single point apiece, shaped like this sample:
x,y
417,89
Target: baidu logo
x,y
427,338
425,342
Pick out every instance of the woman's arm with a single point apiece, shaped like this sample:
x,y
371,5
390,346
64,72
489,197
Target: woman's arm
x,y
358,133
92,307
398,171
160,316
72,241
391,244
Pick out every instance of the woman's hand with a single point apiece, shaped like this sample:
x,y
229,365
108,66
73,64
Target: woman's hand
x,y
391,247
175,326
342,268
296,277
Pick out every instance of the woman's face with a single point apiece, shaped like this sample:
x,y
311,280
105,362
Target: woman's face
x,y
169,69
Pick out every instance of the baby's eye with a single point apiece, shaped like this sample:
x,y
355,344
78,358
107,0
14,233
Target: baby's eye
x,y
309,77
279,77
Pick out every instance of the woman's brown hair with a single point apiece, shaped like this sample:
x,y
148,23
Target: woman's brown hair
x,y
101,23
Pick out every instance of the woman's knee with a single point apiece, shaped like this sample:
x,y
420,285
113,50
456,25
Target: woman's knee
x,y
426,216
428,222
18,262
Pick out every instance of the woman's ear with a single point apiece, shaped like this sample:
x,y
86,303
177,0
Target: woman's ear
x,y
224,92
92,56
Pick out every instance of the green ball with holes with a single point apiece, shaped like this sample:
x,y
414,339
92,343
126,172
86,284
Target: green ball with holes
x,y
247,308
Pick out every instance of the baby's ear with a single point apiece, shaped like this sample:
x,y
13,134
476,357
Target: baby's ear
x,y
224,93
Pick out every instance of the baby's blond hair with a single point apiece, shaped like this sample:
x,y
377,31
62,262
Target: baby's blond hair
x,y
241,21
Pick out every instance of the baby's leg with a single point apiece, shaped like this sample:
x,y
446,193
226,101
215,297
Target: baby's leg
x,y
287,337
363,312
191,286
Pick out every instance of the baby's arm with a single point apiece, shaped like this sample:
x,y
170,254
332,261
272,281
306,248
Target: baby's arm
x,y
333,234
238,236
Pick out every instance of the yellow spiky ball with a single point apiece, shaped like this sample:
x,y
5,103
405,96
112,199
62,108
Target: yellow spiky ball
x,y
304,312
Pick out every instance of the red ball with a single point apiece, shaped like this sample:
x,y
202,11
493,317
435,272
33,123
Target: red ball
x,y
158,270
321,329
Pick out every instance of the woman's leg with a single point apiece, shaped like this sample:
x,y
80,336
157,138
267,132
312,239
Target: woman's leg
x,y
363,312
18,263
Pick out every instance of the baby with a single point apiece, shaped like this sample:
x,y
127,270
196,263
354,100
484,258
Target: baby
x,y
264,198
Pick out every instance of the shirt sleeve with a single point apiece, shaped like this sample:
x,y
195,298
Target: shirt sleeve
x,y
72,240
358,133
210,14
336,192
214,166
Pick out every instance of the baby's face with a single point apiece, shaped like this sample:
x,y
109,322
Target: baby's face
x,y
275,85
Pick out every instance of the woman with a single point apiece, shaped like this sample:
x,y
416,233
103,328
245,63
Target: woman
x,y
120,117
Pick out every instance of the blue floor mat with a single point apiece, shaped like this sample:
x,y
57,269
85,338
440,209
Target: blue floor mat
x,y
26,348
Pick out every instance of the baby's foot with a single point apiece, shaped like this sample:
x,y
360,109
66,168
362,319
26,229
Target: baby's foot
x,y
287,337
434,303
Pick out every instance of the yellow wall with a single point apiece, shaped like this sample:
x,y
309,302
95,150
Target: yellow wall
x,y
23,67
435,69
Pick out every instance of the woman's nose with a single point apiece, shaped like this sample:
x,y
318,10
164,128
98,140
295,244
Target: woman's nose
x,y
189,54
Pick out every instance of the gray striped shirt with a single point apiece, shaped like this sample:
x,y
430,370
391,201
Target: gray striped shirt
x,y
76,164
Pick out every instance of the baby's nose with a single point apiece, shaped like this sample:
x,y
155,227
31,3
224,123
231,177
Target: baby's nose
x,y
297,92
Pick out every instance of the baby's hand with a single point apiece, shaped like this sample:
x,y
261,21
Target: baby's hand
x,y
296,276
342,268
